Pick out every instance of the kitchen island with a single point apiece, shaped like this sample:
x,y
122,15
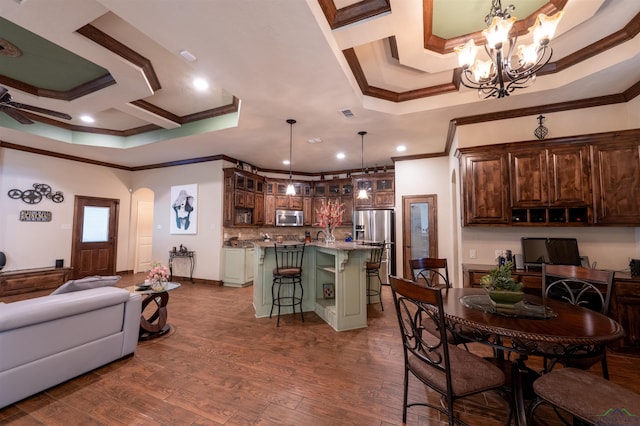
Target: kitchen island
x,y
339,265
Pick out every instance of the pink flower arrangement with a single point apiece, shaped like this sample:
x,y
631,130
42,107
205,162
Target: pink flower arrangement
x,y
158,272
330,214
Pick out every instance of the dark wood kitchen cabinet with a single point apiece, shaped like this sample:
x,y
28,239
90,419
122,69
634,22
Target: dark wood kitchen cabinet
x,y
269,209
572,181
379,186
485,188
284,201
528,177
616,178
340,190
276,198
242,190
550,185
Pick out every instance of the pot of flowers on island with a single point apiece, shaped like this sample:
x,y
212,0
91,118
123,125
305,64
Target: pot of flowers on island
x,y
501,287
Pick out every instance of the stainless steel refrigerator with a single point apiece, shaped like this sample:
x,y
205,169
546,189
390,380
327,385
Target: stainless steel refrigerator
x,y
378,225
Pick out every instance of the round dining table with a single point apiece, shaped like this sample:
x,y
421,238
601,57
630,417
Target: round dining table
x,y
536,327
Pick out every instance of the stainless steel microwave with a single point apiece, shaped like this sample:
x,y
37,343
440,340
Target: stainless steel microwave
x,y
289,218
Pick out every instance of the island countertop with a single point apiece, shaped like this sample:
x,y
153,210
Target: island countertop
x,y
338,245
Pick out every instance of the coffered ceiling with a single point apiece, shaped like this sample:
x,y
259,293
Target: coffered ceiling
x,y
336,66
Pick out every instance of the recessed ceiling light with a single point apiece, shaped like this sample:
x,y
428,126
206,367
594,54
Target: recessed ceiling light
x,y
340,155
401,148
314,140
87,118
286,162
188,55
200,84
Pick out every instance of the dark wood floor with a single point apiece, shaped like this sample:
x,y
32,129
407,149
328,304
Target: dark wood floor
x,y
220,365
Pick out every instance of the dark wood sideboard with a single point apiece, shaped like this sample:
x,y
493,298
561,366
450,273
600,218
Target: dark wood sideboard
x,y
29,283
624,307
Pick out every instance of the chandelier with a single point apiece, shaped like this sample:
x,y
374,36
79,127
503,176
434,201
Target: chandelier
x,y
505,72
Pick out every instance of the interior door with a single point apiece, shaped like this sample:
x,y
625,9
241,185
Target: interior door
x,y
419,231
144,236
95,230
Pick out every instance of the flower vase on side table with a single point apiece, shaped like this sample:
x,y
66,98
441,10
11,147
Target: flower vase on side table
x,y
160,284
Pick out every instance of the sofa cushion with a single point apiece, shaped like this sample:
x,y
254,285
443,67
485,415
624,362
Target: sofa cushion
x,y
47,308
87,283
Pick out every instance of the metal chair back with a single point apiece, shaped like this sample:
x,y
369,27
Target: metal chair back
x,y
376,255
428,352
578,285
419,309
289,259
430,271
587,287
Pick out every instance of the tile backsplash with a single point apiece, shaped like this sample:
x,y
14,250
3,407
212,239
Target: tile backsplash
x,y
288,233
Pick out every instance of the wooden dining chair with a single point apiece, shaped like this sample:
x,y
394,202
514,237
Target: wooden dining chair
x,y
590,288
585,396
431,271
450,371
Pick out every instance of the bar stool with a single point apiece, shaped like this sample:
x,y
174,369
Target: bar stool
x,y
373,270
287,274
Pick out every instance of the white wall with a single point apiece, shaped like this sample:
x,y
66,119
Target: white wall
x,y
609,247
207,242
560,124
426,177
37,244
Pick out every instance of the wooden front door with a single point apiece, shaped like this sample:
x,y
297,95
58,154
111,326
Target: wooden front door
x,y
419,231
95,234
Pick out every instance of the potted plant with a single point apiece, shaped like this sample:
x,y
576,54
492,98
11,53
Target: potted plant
x,y
501,286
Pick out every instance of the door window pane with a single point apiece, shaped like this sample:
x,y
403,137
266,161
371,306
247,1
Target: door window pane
x,y
95,225
419,230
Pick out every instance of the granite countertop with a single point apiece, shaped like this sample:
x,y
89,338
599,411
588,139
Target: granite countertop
x,y
338,245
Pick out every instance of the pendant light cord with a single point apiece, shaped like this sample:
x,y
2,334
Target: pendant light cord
x,y
362,133
291,122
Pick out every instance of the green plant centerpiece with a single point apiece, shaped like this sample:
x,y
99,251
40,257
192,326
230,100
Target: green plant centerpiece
x,y
501,287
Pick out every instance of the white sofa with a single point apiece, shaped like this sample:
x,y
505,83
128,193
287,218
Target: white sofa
x,y
47,340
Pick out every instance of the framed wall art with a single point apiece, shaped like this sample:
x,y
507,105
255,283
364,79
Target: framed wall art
x,y
184,209
328,291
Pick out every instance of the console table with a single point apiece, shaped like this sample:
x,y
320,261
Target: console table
x,y
189,255
29,283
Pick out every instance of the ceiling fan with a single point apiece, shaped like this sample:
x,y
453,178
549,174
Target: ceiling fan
x,y
13,109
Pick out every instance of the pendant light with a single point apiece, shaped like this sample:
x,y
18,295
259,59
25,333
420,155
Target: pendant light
x,y
290,189
362,193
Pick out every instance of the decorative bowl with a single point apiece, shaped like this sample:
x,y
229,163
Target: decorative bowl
x,y
505,297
